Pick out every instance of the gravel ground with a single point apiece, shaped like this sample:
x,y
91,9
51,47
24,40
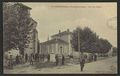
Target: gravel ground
x,y
106,66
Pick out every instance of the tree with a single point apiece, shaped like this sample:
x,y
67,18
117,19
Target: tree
x,y
9,27
89,41
103,45
17,26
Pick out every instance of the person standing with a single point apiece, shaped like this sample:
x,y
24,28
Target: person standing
x,y
56,58
36,58
26,57
17,59
10,62
48,57
40,59
63,59
43,57
31,59
95,57
82,61
20,58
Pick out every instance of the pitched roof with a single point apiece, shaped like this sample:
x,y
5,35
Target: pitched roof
x,y
62,33
54,41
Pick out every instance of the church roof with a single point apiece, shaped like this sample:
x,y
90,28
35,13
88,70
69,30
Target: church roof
x,y
54,41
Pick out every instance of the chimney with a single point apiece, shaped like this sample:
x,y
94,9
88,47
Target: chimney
x,y
59,33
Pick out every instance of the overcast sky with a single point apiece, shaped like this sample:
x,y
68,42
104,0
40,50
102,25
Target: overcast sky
x,y
52,17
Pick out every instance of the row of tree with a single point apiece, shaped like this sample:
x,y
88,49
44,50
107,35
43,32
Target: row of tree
x,y
89,41
16,27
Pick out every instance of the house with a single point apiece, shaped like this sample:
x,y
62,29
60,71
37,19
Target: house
x,y
56,46
33,44
59,44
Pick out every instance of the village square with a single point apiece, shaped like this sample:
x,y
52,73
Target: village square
x,y
66,51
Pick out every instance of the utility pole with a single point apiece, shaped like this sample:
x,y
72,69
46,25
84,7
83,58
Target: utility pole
x,y
79,44
78,41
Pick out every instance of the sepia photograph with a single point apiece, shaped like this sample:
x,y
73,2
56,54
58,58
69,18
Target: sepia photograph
x,y
60,38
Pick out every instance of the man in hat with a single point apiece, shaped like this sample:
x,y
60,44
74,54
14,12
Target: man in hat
x,y
82,61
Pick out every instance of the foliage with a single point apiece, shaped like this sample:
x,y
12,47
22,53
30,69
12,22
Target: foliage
x,y
89,41
16,26
103,46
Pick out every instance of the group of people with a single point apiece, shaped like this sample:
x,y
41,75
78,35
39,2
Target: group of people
x,y
92,57
57,58
11,60
41,58
36,58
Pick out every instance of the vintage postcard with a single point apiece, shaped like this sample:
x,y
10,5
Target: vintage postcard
x,y
60,38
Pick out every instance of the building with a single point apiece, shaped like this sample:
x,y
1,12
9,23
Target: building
x,y
59,44
33,44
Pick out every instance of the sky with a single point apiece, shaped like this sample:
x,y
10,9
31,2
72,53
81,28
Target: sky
x,y
52,17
